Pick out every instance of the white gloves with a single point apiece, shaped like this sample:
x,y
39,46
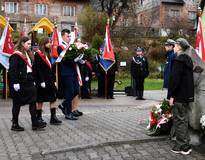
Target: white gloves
x,y
43,85
78,58
16,87
86,79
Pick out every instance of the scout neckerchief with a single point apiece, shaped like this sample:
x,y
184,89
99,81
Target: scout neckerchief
x,y
25,59
44,58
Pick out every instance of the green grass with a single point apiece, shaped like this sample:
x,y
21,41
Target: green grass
x,y
150,84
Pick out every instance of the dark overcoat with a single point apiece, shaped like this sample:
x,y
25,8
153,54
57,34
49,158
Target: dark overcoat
x,y
18,75
43,73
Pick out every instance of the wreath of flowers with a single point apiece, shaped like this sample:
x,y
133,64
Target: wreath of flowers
x,y
75,50
160,118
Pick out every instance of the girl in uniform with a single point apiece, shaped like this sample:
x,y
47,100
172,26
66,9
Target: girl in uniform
x,y
22,86
45,81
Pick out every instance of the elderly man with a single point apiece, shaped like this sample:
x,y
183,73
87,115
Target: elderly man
x,y
180,94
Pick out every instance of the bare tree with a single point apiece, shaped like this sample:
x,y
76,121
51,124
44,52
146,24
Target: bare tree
x,y
114,8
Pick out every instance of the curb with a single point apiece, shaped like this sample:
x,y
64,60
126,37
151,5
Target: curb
x,y
91,145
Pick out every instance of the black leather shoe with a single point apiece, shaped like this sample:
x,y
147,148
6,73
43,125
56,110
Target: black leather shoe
x,y
16,127
70,117
80,113
55,121
40,120
76,114
38,125
62,108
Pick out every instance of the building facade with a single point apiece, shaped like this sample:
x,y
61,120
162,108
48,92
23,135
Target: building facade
x,y
64,12
162,16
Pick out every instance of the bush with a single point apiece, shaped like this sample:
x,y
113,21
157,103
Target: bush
x,y
93,22
97,41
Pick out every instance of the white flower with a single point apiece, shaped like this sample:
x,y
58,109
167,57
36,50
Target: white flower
x,y
202,121
158,106
70,48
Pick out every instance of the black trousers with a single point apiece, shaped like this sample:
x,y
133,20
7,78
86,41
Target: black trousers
x,y
139,86
16,109
110,85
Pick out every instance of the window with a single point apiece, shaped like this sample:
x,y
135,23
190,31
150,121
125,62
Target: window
x,y
11,7
174,13
41,9
192,15
69,11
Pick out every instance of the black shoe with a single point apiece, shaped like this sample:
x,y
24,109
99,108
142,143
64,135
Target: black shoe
x,y
70,117
38,125
55,121
80,113
62,108
77,113
140,98
16,127
185,150
40,120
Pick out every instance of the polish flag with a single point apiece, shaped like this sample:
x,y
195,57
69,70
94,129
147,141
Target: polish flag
x,y
200,41
55,43
6,43
6,46
108,50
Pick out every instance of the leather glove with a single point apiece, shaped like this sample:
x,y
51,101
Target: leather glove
x,y
16,87
43,85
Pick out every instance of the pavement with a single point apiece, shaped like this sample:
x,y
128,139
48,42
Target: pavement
x,y
111,129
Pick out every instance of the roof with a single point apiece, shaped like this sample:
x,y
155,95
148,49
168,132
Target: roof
x,y
173,1
45,24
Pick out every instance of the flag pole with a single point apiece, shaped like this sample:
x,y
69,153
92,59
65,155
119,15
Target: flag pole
x,y
57,75
55,24
106,94
6,84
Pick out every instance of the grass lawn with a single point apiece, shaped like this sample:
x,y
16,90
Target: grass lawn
x,y
150,84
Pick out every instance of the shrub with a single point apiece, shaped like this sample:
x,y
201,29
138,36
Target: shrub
x,y
97,41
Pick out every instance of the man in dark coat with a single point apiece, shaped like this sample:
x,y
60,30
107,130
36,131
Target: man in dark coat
x,y
180,94
139,71
170,55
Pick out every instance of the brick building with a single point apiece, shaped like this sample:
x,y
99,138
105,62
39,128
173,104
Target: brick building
x,y
161,16
64,11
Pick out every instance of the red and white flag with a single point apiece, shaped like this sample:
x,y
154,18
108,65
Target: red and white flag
x,y
55,43
6,43
108,50
200,41
6,46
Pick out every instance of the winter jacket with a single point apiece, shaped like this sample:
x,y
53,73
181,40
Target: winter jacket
x,y
170,55
181,85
